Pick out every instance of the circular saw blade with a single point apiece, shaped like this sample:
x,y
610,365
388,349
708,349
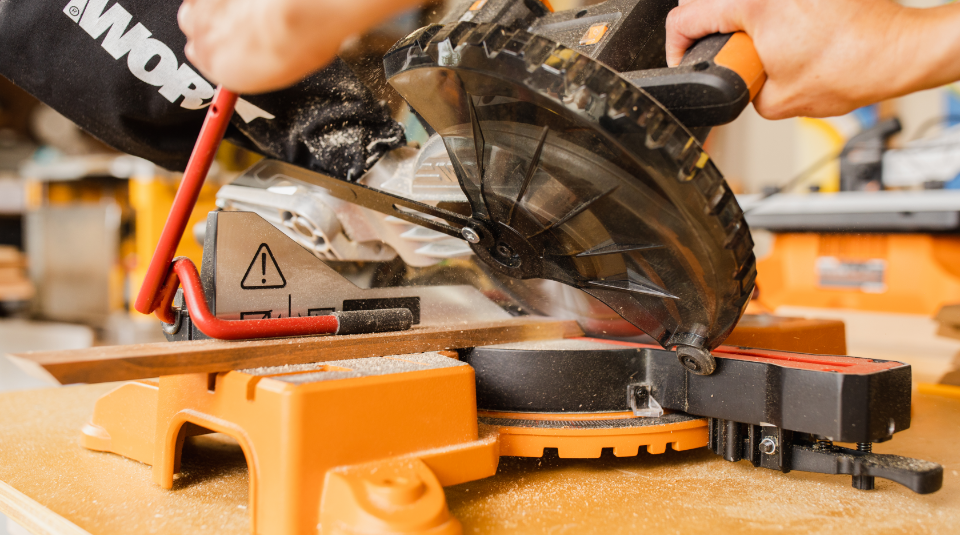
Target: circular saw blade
x,y
577,176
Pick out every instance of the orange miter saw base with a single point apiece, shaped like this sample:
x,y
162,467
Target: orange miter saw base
x,y
366,445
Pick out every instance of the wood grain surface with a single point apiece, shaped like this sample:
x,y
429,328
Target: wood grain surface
x,y
121,363
56,484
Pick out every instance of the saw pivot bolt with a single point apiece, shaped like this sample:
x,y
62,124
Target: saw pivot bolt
x,y
470,235
768,446
697,360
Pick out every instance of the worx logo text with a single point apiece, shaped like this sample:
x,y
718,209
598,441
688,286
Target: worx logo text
x,y
173,79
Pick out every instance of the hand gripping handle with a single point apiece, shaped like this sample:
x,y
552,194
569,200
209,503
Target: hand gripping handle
x,y
717,78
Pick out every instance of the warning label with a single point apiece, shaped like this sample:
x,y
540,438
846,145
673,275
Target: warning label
x,y
264,272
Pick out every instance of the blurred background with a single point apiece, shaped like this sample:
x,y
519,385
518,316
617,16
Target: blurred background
x,y
855,218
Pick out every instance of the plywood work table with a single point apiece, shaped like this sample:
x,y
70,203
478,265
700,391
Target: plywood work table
x,y
51,485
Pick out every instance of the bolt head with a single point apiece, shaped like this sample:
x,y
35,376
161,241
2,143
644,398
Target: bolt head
x,y
470,235
768,446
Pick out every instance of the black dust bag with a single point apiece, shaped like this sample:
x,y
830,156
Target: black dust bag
x,y
117,69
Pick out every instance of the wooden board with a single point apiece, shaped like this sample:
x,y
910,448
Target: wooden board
x,y
57,487
907,338
949,330
949,314
801,335
53,484
121,363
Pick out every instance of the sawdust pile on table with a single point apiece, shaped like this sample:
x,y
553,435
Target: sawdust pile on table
x,y
675,492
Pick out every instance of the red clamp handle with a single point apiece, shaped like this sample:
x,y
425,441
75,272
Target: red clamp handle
x,y
163,277
214,126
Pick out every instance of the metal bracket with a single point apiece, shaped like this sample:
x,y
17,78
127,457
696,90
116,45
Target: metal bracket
x,y
171,329
778,449
641,401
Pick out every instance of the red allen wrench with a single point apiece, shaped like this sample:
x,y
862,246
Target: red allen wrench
x,y
166,274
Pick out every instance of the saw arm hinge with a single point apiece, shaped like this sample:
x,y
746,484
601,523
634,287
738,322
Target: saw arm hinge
x,y
771,447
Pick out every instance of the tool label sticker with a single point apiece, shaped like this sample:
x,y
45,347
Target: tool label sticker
x,y
264,272
174,79
842,274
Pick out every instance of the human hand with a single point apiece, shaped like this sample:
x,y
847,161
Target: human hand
x,y
829,57
253,46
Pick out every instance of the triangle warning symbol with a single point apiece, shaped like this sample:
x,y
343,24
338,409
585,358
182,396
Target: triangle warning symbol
x,y
263,273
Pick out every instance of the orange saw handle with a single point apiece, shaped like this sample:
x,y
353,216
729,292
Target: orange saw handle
x,y
716,80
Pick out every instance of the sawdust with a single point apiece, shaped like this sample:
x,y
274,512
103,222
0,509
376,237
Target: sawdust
x,y
682,492
365,366
698,492
569,344
675,492
108,494
329,122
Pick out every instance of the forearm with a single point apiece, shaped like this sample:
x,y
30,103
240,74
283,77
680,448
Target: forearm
x,y
932,58
890,51
252,46
828,57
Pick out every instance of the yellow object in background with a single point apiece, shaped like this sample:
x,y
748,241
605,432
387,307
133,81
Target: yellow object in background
x,y
151,199
819,137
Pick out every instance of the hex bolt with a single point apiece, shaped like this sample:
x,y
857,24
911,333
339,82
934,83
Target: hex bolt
x,y
470,235
640,395
768,446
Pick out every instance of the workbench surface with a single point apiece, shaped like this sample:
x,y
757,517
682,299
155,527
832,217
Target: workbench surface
x,y
51,485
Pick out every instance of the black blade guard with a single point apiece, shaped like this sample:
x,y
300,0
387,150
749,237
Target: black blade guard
x,y
577,176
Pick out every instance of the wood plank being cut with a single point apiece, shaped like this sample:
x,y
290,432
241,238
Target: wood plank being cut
x,y
122,363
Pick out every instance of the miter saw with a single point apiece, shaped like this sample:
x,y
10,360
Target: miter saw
x,y
567,159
